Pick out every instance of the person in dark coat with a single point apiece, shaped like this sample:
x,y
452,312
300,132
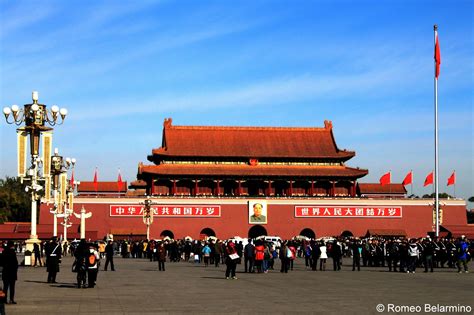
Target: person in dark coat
x,y
336,255
10,271
80,265
53,259
356,253
37,252
249,256
161,254
109,255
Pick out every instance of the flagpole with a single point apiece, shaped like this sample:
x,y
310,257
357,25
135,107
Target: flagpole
x,y
411,188
454,184
436,134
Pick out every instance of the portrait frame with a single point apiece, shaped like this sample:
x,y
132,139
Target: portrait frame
x,y
263,218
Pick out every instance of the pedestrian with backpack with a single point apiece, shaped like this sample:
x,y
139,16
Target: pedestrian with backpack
x,y
92,265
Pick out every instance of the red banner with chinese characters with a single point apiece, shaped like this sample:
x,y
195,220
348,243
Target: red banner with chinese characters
x,y
167,211
347,212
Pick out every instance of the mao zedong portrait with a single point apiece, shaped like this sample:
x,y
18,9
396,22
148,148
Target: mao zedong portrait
x,y
258,216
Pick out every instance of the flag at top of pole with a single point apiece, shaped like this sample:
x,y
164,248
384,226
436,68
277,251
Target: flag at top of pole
x,y
96,183
119,182
408,180
386,179
452,179
437,53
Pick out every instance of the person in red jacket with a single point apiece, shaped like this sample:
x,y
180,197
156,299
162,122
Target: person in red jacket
x,y
259,256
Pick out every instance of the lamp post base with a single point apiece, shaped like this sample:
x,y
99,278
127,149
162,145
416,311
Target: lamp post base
x,y
29,247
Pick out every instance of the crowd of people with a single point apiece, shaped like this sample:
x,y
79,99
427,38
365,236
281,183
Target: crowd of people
x,y
256,256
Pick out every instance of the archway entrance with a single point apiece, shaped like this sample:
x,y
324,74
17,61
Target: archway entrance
x,y
347,234
256,231
167,233
208,232
308,233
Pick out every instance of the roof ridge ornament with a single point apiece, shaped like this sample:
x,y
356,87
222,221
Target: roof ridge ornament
x,y
167,123
328,124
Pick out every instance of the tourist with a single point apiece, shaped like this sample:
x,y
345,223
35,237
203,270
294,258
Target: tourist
x,y
80,265
37,253
206,252
284,255
109,256
462,254
259,256
92,265
336,254
323,257
292,256
231,260
161,256
249,256
315,254
217,253
356,252
10,271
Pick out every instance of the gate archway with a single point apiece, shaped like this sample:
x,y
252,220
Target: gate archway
x,y
256,231
208,232
308,233
167,233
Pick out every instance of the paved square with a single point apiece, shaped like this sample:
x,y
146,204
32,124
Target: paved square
x,y
137,287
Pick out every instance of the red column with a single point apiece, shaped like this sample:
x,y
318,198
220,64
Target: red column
x,y
239,188
196,187
174,187
291,188
354,189
152,185
333,189
269,188
312,187
218,187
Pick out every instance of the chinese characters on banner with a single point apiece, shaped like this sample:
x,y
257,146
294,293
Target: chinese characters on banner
x,y
167,211
347,212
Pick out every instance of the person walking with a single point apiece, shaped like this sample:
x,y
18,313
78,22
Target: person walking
x,y
284,255
53,259
109,256
259,256
37,253
206,252
93,261
462,254
323,257
356,252
231,260
249,256
10,271
80,264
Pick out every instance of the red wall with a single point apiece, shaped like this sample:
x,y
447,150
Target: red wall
x,y
416,217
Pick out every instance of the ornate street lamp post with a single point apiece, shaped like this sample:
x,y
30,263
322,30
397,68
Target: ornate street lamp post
x,y
35,116
147,215
61,189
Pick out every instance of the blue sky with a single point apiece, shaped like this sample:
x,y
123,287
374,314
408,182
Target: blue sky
x,y
121,67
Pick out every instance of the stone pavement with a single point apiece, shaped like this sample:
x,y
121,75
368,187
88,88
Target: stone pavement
x,y
137,287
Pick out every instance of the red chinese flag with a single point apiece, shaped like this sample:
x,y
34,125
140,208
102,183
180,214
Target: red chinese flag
x,y
437,56
71,183
96,183
428,180
408,179
386,179
452,179
119,182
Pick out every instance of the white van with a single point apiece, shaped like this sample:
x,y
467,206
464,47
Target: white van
x,y
274,239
